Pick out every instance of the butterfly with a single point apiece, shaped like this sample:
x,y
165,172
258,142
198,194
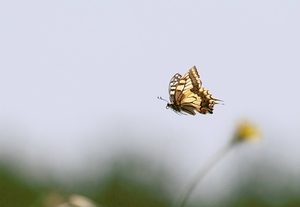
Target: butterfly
x,y
187,94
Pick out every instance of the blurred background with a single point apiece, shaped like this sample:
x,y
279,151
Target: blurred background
x,y
79,114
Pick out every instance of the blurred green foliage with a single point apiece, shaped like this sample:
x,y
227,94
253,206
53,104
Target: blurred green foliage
x,y
14,191
131,181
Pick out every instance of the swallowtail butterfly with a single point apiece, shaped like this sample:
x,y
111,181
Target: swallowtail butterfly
x,y
187,94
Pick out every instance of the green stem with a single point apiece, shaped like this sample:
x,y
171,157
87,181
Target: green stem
x,y
215,159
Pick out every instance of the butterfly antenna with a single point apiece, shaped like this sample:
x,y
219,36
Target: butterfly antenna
x,y
159,97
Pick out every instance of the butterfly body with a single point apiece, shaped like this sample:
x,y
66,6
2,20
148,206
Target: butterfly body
x,y
188,96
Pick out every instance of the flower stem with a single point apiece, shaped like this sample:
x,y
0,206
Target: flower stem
x,y
202,172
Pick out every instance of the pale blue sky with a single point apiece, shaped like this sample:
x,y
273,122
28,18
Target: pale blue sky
x,y
74,75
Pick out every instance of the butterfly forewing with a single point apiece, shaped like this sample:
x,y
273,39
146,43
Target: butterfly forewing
x,y
195,79
172,86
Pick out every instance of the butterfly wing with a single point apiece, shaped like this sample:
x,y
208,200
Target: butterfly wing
x,y
179,88
207,102
172,86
